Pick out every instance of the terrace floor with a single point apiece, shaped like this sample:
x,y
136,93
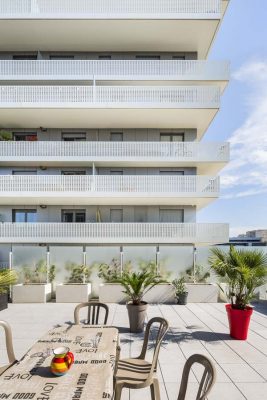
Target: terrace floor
x,y
195,328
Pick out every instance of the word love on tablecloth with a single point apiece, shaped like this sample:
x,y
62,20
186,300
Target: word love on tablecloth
x,y
43,395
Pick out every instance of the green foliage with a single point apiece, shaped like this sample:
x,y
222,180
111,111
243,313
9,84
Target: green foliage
x,y
179,286
152,267
137,284
4,135
35,274
52,273
242,270
79,273
196,276
7,278
110,272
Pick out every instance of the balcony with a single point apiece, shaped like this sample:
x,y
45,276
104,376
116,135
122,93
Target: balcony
x,y
164,72
109,106
114,233
209,158
106,189
121,25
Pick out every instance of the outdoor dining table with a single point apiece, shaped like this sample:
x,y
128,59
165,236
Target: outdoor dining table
x,y
90,377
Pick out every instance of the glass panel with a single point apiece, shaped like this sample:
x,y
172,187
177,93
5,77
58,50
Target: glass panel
x,y
147,57
171,215
59,57
73,173
165,138
73,137
171,172
99,255
104,57
80,216
25,57
175,259
24,216
116,172
116,215
139,257
65,258
116,137
31,216
27,137
28,172
30,263
178,138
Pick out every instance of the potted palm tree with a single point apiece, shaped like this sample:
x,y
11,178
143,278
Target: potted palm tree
x,y
243,271
7,278
181,292
136,285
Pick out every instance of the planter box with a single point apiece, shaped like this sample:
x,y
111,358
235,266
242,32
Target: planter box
x,y
202,293
164,293
32,293
3,301
73,293
112,293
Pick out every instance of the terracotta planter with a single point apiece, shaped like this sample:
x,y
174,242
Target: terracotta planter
x,y
137,315
238,321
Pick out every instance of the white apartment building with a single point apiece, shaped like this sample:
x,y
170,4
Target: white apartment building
x,y
105,103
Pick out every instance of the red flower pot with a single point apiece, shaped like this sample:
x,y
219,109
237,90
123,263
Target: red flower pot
x,y
238,321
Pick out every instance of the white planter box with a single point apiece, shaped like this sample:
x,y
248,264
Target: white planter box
x,y
202,293
73,293
32,293
112,293
164,293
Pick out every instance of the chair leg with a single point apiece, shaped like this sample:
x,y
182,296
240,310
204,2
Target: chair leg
x,y
118,390
154,390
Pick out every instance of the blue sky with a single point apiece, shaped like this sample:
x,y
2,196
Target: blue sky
x,y
242,120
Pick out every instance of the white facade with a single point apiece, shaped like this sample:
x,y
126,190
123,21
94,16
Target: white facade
x,y
104,105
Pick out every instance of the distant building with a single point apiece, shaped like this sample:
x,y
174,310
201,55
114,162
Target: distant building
x,y
257,237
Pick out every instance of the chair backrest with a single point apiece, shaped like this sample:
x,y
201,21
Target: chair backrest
x,y
207,381
93,314
9,342
162,327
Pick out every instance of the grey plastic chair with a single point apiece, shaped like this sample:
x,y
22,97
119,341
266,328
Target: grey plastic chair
x,y
9,347
93,315
137,373
207,380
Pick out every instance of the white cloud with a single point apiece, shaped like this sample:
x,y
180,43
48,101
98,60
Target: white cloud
x,y
246,175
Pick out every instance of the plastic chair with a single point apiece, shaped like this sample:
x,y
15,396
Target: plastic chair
x,y
137,373
93,313
9,347
207,380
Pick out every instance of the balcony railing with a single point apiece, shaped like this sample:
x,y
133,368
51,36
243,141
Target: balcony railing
x,y
110,8
99,151
114,70
200,186
113,233
110,96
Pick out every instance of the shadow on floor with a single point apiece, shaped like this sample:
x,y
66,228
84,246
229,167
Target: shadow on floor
x,y
260,306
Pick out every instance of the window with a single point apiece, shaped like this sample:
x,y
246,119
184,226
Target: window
x,y
147,57
116,172
171,172
24,172
172,137
104,57
24,216
116,215
74,137
25,57
61,57
116,136
73,215
178,57
171,215
25,136
73,173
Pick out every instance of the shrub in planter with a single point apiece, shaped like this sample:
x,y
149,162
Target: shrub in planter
x,y
243,271
110,273
136,285
79,274
7,278
180,290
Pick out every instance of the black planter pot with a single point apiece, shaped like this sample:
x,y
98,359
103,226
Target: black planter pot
x,y
3,301
182,298
137,315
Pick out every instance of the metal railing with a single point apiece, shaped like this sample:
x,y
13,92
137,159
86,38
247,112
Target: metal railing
x,y
113,233
111,8
94,184
114,96
114,70
97,151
